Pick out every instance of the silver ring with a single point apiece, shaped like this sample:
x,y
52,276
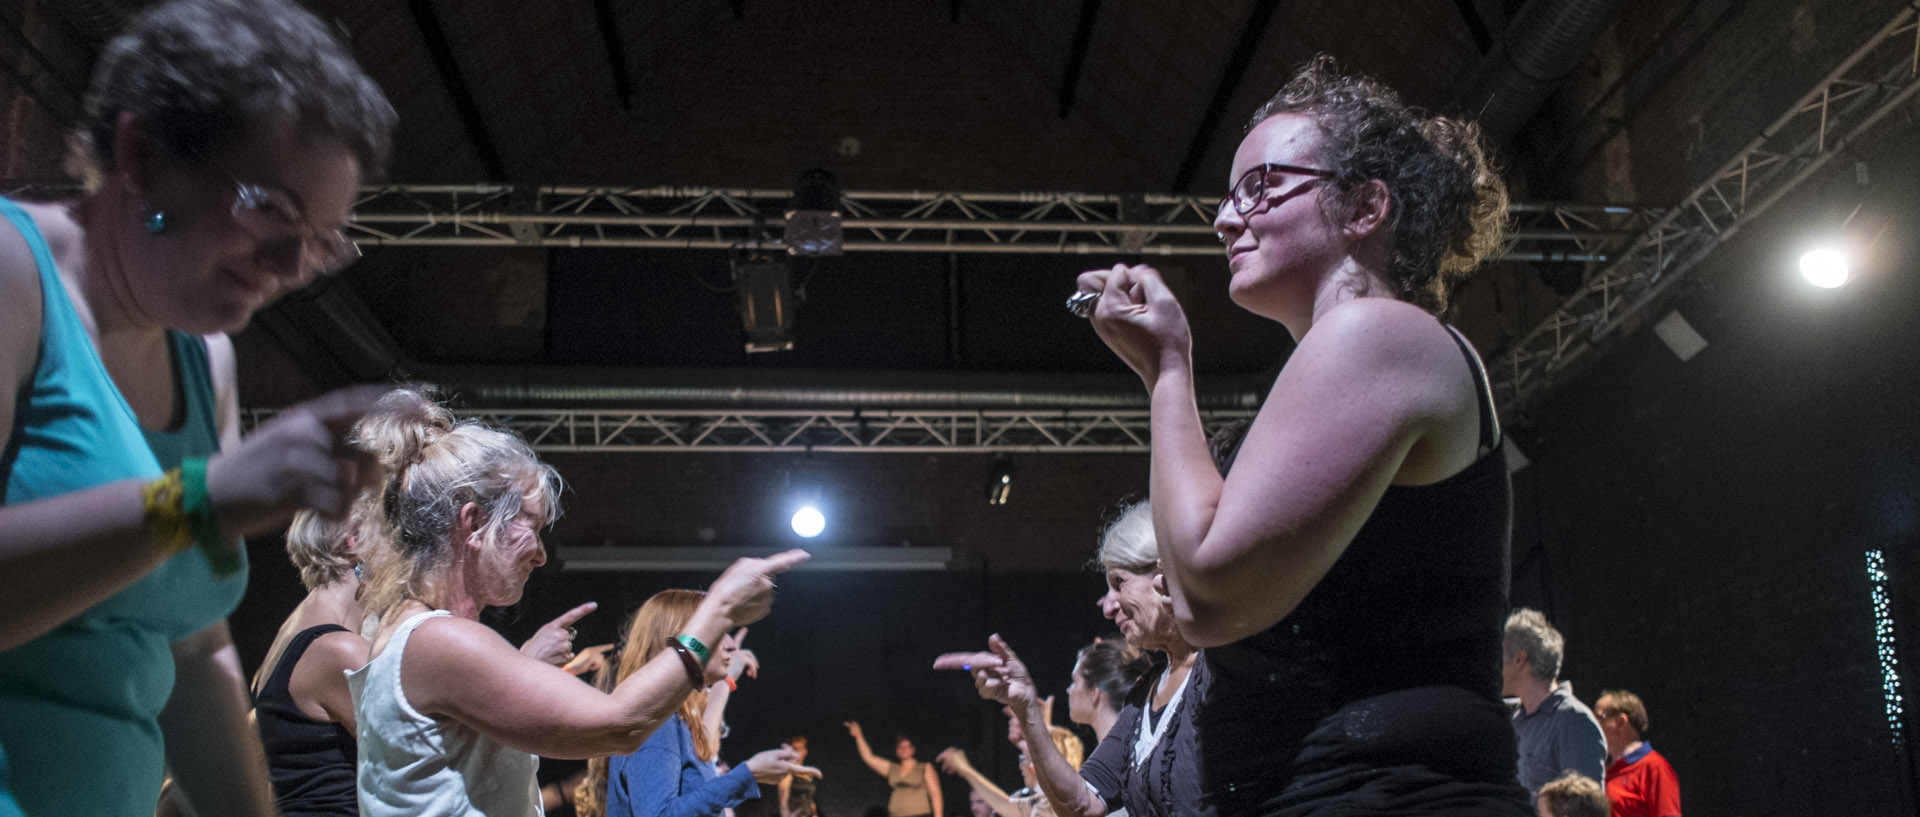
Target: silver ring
x,y
572,633
1081,303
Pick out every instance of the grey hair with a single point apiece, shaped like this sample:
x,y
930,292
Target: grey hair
x,y
436,465
1128,543
1527,629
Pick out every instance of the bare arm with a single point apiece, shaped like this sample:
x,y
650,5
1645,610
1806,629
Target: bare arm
x,y
786,788
319,681
1362,389
955,762
461,669
879,767
1353,400
933,790
212,748
999,675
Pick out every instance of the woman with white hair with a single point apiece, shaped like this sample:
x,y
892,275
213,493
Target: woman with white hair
x,y
458,734
1144,764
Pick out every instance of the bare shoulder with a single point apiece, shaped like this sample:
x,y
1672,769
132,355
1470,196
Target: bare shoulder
x,y
1387,352
1385,328
338,650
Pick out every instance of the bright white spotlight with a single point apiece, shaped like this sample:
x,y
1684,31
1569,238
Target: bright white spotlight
x,y
808,522
1825,268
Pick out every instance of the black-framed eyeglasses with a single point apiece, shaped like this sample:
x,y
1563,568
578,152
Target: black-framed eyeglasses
x,y
1251,189
265,212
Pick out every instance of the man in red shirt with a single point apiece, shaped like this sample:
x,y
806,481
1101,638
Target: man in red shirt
x,y
1640,783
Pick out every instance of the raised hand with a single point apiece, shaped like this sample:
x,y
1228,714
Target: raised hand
x,y
553,642
953,760
1139,318
853,728
998,674
744,593
588,660
299,459
773,764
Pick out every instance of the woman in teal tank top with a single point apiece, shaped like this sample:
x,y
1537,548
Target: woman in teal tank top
x,y
223,142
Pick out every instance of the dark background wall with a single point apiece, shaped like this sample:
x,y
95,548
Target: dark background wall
x,y
1699,530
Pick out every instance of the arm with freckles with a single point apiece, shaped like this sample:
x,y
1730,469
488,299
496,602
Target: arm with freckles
x,y
1241,552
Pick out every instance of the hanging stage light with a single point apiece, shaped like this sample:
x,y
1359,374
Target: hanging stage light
x,y
763,293
813,215
999,481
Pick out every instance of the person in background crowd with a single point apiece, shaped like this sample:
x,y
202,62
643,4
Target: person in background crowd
x,y
1028,801
916,788
1640,782
674,773
1555,732
1352,569
1572,795
797,789
1146,764
220,144
1107,670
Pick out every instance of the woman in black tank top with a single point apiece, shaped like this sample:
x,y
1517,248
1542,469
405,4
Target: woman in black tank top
x,y
301,703
1348,578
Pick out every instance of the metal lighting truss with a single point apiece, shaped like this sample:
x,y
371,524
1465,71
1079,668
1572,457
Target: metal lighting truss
x,y
947,432
880,221
1875,80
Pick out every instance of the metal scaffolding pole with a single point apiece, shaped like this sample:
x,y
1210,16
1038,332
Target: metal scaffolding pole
x,y
774,431
698,218
1873,81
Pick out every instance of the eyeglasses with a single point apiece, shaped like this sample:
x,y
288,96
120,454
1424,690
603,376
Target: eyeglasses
x,y
1251,189
271,217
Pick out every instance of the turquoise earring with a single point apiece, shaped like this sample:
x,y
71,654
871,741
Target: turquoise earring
x,y
156,223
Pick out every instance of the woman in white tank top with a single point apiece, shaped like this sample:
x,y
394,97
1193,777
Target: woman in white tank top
x,y
450,716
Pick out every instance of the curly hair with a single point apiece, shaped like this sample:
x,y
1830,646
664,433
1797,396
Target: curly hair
x,y
200,72
1448,204
1574,795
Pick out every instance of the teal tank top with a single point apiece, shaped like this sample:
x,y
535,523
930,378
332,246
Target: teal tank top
x,y
79,706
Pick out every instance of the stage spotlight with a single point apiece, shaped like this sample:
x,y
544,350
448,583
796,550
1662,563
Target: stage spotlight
x,y
763,294
1825,267
813,215
999,481
808,522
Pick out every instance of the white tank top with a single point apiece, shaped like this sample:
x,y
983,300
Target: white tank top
x,y
418,766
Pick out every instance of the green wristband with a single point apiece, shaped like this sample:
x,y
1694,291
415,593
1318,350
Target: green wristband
x,y
224,558
700,650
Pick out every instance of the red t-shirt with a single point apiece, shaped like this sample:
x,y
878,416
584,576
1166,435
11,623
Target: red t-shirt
x,y
1642,784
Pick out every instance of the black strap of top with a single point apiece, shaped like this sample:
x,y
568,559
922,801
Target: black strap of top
x,y
282,674
1489,430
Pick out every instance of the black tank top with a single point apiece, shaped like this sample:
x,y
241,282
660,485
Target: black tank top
x,y
1381,690
311,763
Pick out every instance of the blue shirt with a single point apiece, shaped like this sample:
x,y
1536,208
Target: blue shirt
x,y
666,779
1560,736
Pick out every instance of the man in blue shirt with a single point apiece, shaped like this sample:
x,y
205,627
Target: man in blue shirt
x,y
1555,731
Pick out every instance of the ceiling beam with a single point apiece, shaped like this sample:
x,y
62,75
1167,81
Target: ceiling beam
x,y
434,36
608,21
1223,91
1077,56
1476,26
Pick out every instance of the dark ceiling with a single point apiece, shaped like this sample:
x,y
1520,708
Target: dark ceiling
x,y
1143,96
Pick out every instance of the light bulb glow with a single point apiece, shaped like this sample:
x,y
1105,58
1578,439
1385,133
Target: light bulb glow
x,y
808,522
1825,268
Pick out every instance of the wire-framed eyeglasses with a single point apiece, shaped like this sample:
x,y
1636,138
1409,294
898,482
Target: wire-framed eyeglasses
x,y
1251,189
268,214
